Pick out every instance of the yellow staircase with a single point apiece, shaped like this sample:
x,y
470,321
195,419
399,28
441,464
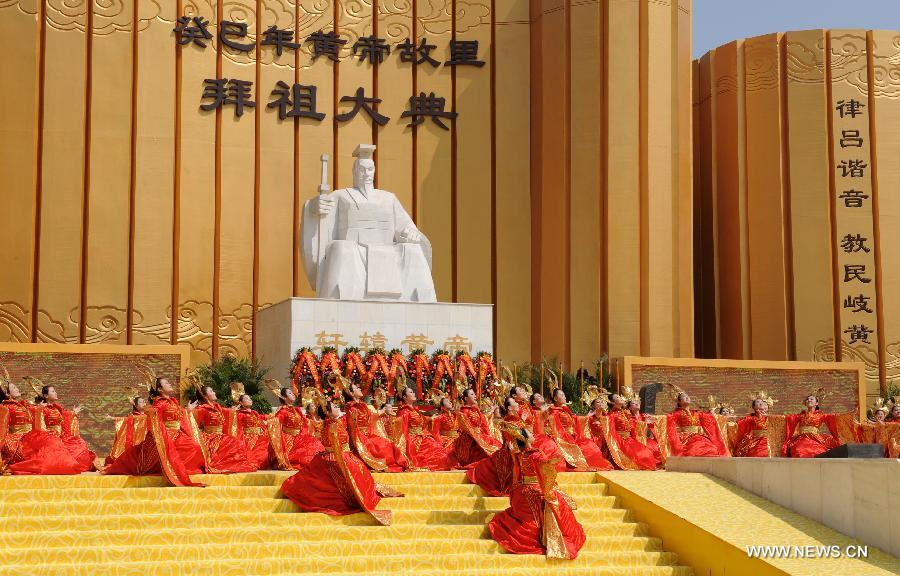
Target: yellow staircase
x,y
241,525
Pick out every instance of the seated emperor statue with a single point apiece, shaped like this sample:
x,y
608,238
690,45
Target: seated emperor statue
x,y
370,247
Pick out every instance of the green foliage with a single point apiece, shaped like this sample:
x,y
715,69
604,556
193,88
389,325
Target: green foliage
x,y
222,372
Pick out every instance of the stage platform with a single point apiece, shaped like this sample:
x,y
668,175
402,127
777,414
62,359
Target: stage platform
x,y
710,523
240,525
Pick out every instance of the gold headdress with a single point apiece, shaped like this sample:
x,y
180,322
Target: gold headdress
x,y
628,393
313,395
338,385
435,396
148,376
820,395
4,380
594,392
192,377
237,390
883,405
675,391
764,396
718,407
274,386
36,384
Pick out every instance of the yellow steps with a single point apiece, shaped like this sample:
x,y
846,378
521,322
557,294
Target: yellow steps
x,y
242,524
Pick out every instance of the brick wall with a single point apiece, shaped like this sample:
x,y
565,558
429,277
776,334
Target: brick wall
x,y
97,381
734,385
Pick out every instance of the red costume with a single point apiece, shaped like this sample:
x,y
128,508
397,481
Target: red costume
x,y
378,452
752,438
422,448
254,428
692,433
476,440
579,451
62,423
336,481
26,449
538,520
293,446
130,430
223,449
627,445
802,437
168,446
446,430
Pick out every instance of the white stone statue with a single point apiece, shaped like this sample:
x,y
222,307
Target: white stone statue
x,y
360,244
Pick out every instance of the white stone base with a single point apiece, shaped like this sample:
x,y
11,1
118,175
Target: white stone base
x,y
283,328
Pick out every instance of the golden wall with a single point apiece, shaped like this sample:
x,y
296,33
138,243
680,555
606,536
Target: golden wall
x,y
796,139
560,193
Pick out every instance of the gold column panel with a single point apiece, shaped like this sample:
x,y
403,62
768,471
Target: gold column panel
x,y
512,219
623,179
354,22
63,174
683,181
659,237
854,240
19,125
586,219
765,197
809,191
884,102
237,146
275,150
555,201
434,146
395,85
109,202
474,215
314,138
154,187
196,217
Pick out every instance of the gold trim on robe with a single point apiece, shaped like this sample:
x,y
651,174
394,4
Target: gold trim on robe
x,y
476,434
383,517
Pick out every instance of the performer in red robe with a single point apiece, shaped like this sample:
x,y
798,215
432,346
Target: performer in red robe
x,y
802,438
895,413
223,449
752,438
879,431
422,448
377,451
539,519
627,434
169,447
692,433
254,428
53,418
534,418
445,426
130,429
634,407
293,446
494,474
25,449
336,482
580,452
476,440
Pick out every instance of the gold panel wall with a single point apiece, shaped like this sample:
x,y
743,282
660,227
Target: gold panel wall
x,y
560,193
611,171
795,139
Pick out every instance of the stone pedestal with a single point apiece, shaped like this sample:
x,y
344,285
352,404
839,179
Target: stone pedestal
x,y
283,328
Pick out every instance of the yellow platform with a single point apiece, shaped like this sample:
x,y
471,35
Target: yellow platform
x,y
710,523
240,524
